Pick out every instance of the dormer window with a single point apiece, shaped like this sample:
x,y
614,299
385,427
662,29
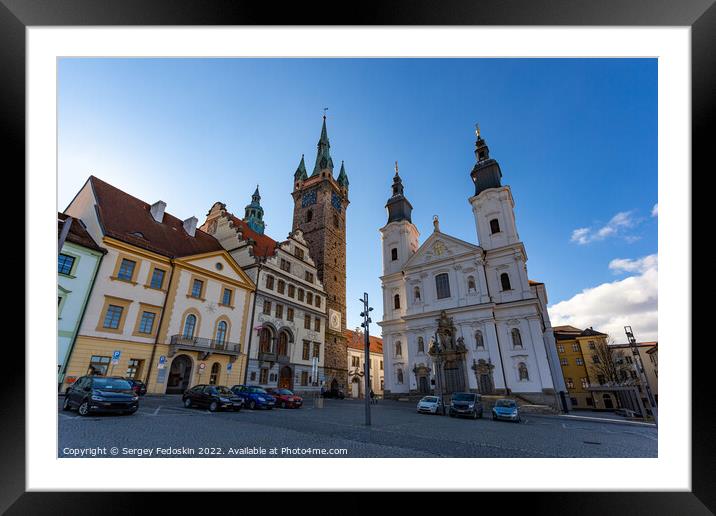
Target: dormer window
x,y
494,226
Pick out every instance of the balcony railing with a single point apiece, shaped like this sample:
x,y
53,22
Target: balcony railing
x,y
205,344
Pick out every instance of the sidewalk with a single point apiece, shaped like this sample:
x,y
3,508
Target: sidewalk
x,y
598,417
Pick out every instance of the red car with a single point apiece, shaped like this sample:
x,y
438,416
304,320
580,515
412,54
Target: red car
x,y
285,398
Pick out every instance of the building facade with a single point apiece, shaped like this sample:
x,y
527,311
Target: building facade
x,y
169,305
320,204
355,341
459,316
289,318
77,265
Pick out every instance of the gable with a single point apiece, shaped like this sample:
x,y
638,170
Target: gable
x,y
438,247
220,265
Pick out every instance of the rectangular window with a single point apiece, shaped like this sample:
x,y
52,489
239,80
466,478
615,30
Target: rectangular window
x,y
147,323
300,294
563,361
595,359
355,361
263,378
157,279
584,383
317,324
134,368
98,365
269,282
309,277
304,378
298,253
318,303
267,307
580,361
442,283
592,345
291,291
112,317
126,269
560,348
316,350
285,265
289,314
226,299
575,347
306,321
65,263
279,311
381,365
570,383
309,298
196,288
281,286
306,350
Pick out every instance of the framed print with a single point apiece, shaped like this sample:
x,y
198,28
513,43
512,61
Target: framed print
x,y
417,250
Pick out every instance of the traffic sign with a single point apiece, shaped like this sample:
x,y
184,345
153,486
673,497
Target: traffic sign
x,y
162,362
229,366
115,357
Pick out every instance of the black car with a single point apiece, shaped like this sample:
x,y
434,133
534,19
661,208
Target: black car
x,y
213,397
93,394
466,404
138,386
334,393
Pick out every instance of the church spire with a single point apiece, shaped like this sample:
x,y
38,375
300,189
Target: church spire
x,y
486,173
301,174
254,213
342,176
323,156
398,206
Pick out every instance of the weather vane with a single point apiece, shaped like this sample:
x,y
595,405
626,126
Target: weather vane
x,y
477,130
324,112
396,168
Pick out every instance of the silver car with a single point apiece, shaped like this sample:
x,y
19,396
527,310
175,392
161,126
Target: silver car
x,y
430,405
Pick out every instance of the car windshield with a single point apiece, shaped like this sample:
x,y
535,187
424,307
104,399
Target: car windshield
x,y
285,392
505,403
114,384
223,390
430,399
257,390
463,396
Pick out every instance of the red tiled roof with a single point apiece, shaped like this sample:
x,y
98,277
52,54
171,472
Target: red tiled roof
x,y
128,219
355,341
265,245
77,233
533,283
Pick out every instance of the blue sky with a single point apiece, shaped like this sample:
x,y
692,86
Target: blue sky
x,y
576,140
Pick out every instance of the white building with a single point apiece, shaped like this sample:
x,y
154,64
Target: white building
x,y
356,363
289,318
473,301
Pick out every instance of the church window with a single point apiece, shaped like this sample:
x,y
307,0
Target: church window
x,y
524,374
494,226
400,376
516,338
396,301
471,284
421,345
442,284
416,293
309,215
398,349
479,340
394,254
505,280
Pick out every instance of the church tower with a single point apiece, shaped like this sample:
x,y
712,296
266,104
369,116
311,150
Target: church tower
x,y
254,213
399,235
320,204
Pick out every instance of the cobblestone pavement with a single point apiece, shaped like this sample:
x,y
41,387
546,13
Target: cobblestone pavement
x,y
164,428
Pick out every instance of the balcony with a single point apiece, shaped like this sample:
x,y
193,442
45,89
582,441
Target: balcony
x,y
267,356
203,345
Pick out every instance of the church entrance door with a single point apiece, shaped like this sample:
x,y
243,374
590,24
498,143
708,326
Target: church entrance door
x,y
454,377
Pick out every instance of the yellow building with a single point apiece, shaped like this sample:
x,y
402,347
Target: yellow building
x,y
169,305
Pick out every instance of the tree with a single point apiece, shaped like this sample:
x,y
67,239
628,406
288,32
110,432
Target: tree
x,y
606,362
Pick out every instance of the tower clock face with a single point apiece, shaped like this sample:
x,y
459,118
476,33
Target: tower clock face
x,y
308,198
336,201
334,320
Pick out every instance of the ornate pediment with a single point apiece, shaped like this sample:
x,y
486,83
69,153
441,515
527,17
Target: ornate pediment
x,y
439,246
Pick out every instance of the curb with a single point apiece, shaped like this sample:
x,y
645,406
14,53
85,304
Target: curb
x,y
598,420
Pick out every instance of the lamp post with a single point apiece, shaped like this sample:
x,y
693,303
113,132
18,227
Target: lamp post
x,y
365,314
642,374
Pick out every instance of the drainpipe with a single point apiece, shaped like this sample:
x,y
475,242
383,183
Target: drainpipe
x,y
159,328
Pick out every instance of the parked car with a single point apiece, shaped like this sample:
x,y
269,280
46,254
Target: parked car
x,y
626,412
466,404
254,397
285,398
334,393
506,409
94,394
430,405
138,386
213,397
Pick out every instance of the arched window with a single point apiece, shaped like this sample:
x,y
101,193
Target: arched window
x,y
505,280
494,226
309,215
516,338
479,341
189,326
471,284
214,377
524,374
396,301
394,254
421,345
283,344
398,349
400,376
265,340
221,332
442,285
416,293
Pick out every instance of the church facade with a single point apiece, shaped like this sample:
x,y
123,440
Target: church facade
x,y
460,316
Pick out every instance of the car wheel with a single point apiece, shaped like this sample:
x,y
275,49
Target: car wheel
x,y
237,409
66,403
84,408
252,405
474,415
213,406
188,403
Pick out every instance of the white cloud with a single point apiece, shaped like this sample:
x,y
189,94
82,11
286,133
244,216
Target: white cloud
x,y
608,307
655,210
620,221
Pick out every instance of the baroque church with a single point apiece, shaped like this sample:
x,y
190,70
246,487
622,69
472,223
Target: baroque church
x,y
463,317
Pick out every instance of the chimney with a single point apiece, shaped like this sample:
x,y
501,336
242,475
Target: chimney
x,y
157,210
190,225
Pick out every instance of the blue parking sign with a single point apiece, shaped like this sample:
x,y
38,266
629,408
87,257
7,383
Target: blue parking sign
x,y
115,357
229,366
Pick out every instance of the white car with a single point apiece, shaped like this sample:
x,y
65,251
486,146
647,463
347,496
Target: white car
x,y
430,405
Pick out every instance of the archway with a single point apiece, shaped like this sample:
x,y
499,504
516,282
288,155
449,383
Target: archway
x,y
179,375
334,385
285,378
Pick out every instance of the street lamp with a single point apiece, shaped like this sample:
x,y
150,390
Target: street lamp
x,y
365,314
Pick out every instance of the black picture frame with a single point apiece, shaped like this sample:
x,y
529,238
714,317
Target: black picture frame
x,y
700,15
